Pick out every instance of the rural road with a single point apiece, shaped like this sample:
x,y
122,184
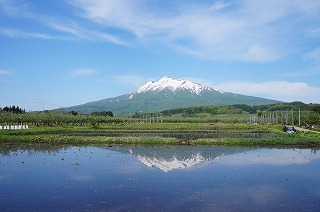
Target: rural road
x,y
305,130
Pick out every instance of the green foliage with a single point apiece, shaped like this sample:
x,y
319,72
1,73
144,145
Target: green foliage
x,y
314,119
201,114
87,135
103,113
72,112
51,119
281,107
316,109
213,110
239,109
13,109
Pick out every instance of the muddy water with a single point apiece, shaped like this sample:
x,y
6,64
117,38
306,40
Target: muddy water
x,y
184,178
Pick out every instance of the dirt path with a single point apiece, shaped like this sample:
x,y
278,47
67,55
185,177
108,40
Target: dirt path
x,y
305,130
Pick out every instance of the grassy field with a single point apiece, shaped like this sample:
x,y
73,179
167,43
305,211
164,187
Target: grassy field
x,y
151,134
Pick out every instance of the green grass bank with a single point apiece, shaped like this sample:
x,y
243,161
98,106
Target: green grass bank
x,y
152,134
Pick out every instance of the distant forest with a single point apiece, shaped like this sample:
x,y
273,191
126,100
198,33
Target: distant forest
x,y
310,115
242,108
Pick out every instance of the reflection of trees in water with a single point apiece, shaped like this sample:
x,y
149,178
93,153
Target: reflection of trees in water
x,y
314,151
6,149
164,152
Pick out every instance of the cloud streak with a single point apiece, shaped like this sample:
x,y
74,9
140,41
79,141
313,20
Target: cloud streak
x,y
4,72
129,80
53,28
79,32
83,72
14,33
243,30
13,8
279,90
237,31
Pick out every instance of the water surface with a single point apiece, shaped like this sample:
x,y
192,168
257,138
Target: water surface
x,y
76,178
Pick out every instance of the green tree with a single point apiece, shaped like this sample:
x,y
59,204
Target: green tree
x,y
314,118
316,109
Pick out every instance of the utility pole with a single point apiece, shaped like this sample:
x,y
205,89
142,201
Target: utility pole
x,y
299,117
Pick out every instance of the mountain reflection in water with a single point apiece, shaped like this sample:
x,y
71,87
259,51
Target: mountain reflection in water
x,y
182,157
42,177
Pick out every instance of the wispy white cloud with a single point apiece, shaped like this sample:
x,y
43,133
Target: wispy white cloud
x,y
279,90
314,55
313,71
86,34
52,27
238,31
83,72
14,33
4,72
313,59
68,33
234,31
314,32
14,8
129,80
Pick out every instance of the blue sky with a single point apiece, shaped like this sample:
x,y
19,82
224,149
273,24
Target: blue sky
x,y
59,53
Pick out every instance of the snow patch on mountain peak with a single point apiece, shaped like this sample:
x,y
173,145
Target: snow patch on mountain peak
x,y
173,85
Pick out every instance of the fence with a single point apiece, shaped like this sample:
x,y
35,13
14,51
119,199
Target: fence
x,y
151,119
277,117
14,127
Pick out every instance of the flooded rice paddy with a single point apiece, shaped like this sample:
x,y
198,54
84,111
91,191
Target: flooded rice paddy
x,y
183,178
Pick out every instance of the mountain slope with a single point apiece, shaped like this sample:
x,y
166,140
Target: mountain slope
x,y
167,93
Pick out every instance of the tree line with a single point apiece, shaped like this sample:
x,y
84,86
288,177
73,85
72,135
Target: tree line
x,y
241,108
13,109
58,119
15,115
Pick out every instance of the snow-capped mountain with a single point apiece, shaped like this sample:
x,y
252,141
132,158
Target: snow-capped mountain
x,y
165,94
167,83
